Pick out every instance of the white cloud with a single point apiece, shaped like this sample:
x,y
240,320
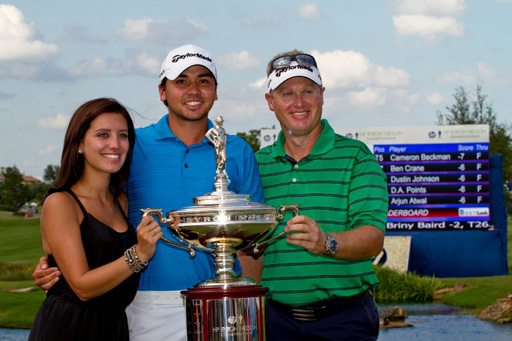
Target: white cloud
x,y
343,69
367,98
58,122
267,21
310,11
134,63
498,78
136,29
390,77
238,61
435,98
429,18
75,33
17,38
199,26
96,66
351,69
405,96
462,78
146,62
44,71
242,108
428,26
369,101
47,151
430,7
162,32
259,83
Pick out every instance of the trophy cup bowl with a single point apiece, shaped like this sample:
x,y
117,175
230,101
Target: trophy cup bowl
x,y
223,222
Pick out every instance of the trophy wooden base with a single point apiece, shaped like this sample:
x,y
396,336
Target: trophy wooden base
x,y
226,313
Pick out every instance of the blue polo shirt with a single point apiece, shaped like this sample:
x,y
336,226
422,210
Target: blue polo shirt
x,y
167,174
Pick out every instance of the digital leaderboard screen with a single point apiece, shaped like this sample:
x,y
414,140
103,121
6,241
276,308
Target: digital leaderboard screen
x,y
436,186
437,176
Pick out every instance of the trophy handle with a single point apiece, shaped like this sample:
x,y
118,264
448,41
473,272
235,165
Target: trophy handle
x,y
162,220
284,208
279,216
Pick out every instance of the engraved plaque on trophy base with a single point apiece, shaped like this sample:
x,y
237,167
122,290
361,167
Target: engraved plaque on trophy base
x,y
226,313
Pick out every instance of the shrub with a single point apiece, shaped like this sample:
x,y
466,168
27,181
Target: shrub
x,y
15,272
400,287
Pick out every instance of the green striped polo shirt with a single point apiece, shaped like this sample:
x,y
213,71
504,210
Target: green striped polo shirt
x,y
341,186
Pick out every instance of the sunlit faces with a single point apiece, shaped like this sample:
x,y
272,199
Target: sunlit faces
x,y
105,144
191,95
297,104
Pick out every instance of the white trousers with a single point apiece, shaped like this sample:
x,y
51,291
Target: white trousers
x,y
156,321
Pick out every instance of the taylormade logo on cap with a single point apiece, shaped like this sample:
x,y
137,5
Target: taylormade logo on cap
x,y
278,76
180,59
177,57
292,67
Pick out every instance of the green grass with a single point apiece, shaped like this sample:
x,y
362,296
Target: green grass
x,y
20,240
17,310
482,291
20,250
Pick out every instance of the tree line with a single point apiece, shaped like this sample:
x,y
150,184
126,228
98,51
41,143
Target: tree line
x,y
479,110
15,192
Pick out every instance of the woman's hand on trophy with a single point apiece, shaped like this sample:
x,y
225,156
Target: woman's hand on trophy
x,y
148,234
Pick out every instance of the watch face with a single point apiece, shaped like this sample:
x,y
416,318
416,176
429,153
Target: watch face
x,y
331,245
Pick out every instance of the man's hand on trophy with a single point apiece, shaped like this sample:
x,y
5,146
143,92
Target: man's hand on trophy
x,y
305,232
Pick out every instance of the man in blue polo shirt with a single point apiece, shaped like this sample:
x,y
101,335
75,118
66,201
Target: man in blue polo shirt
x,y
173,162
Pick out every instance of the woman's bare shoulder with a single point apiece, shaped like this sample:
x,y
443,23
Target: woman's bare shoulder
x,y
58,198
61,203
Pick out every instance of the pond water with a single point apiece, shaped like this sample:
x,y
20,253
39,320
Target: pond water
x,y
430,321
13,334
441,322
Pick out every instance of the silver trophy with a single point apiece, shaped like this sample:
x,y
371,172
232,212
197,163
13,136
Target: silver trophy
x,y
227,307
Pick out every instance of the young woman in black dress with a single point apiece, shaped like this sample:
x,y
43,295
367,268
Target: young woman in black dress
x,y
86,234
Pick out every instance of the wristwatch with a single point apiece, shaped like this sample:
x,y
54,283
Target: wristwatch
x,y
331,245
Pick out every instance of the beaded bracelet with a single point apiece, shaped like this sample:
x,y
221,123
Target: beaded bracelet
x,y
133,260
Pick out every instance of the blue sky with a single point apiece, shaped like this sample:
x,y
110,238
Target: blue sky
x,y
384,63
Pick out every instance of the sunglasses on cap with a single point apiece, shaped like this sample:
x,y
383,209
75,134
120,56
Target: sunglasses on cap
x,y
301,59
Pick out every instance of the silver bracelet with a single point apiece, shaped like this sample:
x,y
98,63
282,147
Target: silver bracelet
x,y
133,260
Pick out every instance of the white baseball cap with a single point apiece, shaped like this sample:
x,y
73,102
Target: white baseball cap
x,y
278,76
180,59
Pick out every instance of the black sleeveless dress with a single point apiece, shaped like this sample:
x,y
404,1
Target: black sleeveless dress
x,y
63,316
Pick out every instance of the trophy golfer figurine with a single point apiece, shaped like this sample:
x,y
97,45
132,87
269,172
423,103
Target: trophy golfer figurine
x,y
217,136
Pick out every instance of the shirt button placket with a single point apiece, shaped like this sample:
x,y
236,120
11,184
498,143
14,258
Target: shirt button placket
x,y
185,158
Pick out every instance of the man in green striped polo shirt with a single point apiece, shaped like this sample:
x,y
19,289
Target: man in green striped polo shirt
x,y
320,275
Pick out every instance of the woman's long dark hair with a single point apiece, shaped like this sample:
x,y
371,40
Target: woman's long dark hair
x,y
72,162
